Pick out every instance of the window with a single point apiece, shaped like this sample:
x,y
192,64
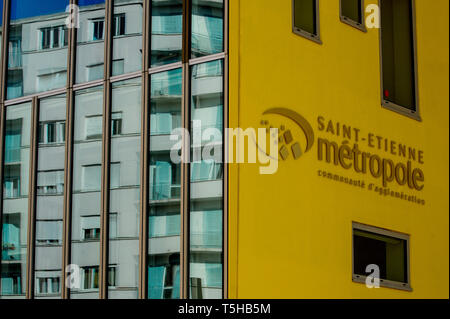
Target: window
x,y
11,237
90,227
52,132
306,19
90,277
91,178
111,276
161,123
118,67
385,249
206,170
49,232
116,123
12,283
206,27
119,25
11,188
48,285
398,57
13,140
94,72
93,127
50,182
164,282
54,37
50,81
115,175
160,180
98,27
352,13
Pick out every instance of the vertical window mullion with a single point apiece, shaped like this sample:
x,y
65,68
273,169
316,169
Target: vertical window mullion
x,y
185,166
32,199
68,160
3,61
145,149
105,188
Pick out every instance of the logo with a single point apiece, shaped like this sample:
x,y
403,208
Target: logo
x,y
295,135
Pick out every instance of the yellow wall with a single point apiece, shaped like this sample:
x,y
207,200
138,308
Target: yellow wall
x,y
290,233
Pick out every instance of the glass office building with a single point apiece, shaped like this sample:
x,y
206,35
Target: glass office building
x,y
92,204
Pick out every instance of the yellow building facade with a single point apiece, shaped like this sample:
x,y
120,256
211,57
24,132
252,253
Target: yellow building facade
x,y
291,233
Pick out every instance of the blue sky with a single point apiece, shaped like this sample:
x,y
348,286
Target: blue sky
x,y
31,8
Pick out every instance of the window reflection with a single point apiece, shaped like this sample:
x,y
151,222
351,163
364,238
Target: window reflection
x,y
90,41
127,33
207,27
86,197
50,197
15,199
206,206
167,30
124,209
164,193
37,53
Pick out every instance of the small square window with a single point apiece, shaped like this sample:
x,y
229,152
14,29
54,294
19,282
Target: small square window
x,y
387,250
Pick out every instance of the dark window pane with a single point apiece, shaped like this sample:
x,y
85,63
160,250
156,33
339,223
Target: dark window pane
x,y
305,15
56,39
398,53
352,10
388,253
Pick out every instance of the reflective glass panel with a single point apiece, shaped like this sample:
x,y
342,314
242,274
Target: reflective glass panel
x,y
37,53
50,196
167,31
207,27
90,40
127,36
86,196
206,184
164,193
15,200
124,209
